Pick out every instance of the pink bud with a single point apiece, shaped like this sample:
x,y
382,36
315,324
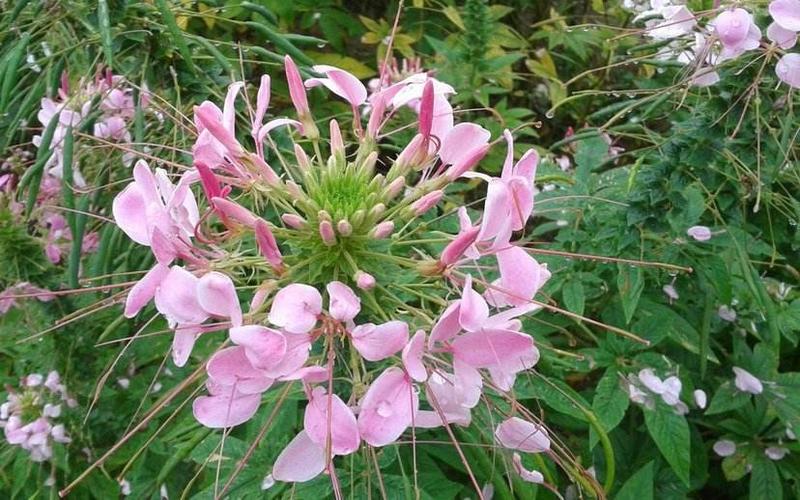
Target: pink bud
x,y
427,202
365,281
467,163
294,190
344,227
326,232
209,181
337,144
382,230
294,221
234,211
395,187
302,158
456,248
268,245
297,90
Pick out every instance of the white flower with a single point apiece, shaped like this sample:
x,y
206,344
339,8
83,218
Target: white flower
x,y
699,233
726,313
700,398
724,447
747,382
776,452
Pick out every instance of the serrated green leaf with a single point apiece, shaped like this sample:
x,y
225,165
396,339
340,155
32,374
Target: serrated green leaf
x,y
574,296
765,482
670,432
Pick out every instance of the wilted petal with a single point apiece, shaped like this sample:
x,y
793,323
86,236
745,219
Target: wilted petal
x,y
301,460
344,303
340,426
387,408
377,342
518,434
216,294
296,308
412,357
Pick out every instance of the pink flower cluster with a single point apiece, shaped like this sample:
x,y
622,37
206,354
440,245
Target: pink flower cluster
x,y
730,34
29,418
302,340
9,296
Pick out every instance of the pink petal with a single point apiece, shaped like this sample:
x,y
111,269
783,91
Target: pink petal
x,y
296,90
448,325
176,297
526,166
486,348
144,290
296,308
747,382
520,201
412,357
344,303
234,211
231,367
208,116
308,374
162,247
783,38
216,294
183,343
262,101
518,434
532,476
461,141
341,83
225,410
267,244
375,343
129,209
788,69
496,209
426,110
732,25
301,460
786,13
387,408
297,348
340,426
460,244
264,347
474,310
521,277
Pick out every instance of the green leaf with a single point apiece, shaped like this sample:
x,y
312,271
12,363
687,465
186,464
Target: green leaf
x,y
639,486
727,398
670,432
610,402
630,282
574,296
765,482
734,467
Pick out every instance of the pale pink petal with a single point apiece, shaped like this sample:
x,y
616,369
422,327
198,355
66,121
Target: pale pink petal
x,y
262,101
344,303
732,25
526,166
518,434
486,348
377,342
264,347
144,290
339,425
387,408
783,38
216,294
532,476
412,357
271,125
296,308
308,374
301,460
473,310
231,367
129,209
461,141
297,349
747,382
341,83
448,325
521,277
183,343
225,410
496,209
176,297
296,90
788,69
786,13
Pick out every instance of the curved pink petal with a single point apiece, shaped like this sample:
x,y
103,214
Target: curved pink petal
x,y
412,357
521,277
448,325
520,193
341,83
129,209
264,347
344,303
473,311
162,247
496,209
296,308
377,342
271,125
387,408
532,476
308,374
518,434
176,297
788,69
340,424
786,13
297,349
301,460
144,290
262,101
216,294
225,410
231,367
526,166
183,343
732,26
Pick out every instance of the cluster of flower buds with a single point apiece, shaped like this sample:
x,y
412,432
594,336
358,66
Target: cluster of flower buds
x,y
29,417
730,34
323,229
114,98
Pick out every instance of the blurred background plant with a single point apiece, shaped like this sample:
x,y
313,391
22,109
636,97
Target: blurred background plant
x,y
634,157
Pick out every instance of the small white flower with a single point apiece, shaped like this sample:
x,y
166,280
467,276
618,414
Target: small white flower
x,y
700,398
125,487
747,382
726,313
699,233
651,381
724,447
124,382
671,292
